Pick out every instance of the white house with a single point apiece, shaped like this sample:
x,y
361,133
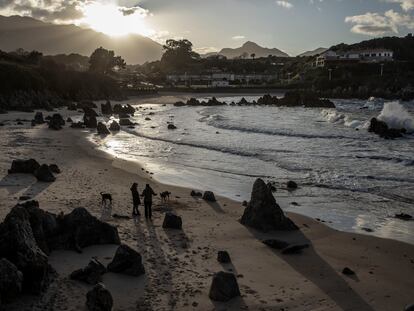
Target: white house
x,y
368,55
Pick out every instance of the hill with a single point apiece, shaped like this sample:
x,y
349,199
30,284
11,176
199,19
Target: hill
x,y
50,39
313,52
247,49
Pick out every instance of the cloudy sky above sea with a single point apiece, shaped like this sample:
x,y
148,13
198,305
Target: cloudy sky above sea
x,y
290,25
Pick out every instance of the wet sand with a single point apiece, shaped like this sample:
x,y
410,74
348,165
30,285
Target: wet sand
x,y
180,264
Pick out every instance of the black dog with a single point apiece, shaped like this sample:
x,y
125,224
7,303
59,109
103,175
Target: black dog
x,y
165,196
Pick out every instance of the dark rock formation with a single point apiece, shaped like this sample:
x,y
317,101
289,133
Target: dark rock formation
x,y
224,287
171,126
38,118
11,281
102,129
196,193
404,216
381,128
43,173
294,249
78,125
128,109
90,121
24,166
126,261
106,108
263,213
276,244
69,120
89,112
91,274
291,185
305,99
56,122
99,299
54,168
223,257
114,126
125,122
85,104
348,271
209,196
172,221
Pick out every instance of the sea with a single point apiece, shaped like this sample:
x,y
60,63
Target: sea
x,y
348,178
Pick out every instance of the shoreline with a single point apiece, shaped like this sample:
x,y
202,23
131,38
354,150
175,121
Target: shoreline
x,y
180,277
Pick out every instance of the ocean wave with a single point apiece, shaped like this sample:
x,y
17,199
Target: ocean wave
x,y
396,116
403,161
333,116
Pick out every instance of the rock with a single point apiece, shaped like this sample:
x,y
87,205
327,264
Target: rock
x,y
147,119
404,216
209,196
18,245
80,229
172,221
24,198
106,108
54,168
114,126
126,261
24,166
43,173
276,244
224,287
271,187
305,99
77,125
11,281
244,203
196,194
263,213
69,120
381,128
72,106
409,308
102,129
90,112
294,249
125,122
348,271
171,127
291,185
126,110
99,299
85,104
223,257
90,121
38,118
91,274
56,122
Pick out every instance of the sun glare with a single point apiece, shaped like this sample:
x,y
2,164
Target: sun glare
x,y
109,19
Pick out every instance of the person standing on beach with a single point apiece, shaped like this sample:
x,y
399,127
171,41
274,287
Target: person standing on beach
x,y
147,194
136,201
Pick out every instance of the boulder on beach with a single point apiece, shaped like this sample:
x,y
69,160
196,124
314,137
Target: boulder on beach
x,y
24,166
106,108
196,193
348,271
99,299
56,122
90,121
85,104
114,126
126,261
38,118
102,129
263,213
171,126
89,112
291,185
54,168
91,274
44,173
125,122
224,287
209,196
11,281
223,257
172,221
77,125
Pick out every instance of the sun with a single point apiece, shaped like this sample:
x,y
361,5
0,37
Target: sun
x,y
111,20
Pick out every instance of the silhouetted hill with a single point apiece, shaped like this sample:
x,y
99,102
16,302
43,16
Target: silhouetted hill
x,y
403,47
313,52
50,39
249,48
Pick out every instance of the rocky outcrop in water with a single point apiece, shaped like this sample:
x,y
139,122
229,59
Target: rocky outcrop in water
x,y
106,108
114,126
126,110
90,121
102,129
263,213
56,122
381,128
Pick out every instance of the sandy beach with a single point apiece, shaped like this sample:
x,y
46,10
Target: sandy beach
x,y
180,264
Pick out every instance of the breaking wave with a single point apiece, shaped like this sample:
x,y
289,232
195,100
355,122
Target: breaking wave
x,y
396,116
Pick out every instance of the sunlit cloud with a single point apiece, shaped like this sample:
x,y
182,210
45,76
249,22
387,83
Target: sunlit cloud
x,y
238,37
406,5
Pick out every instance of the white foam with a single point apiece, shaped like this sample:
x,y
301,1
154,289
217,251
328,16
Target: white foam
x,y
396,116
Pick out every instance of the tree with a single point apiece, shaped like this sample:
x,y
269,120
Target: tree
x,y
253,55
104,61
179,54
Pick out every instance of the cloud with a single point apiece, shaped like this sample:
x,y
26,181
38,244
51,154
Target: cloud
x,y
284,4
376,24
205,50
406,5
238,37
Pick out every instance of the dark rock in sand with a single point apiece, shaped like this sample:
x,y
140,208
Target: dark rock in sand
x,y
99,299
381,128
147,119
126,261
56,122
90,121
276,244
18,245
44,173
38,118
107,108
91,274
209,196
24,166
223,257
125,122
348,271
54,168
196,194
172,221
294,249
224,287
77,125
171,127
11,281
291,185
404,216
114,126
102,129
263,213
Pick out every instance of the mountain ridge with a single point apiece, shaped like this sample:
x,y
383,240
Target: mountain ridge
x,y
249,48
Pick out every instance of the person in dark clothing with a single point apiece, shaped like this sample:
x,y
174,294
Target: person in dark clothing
x,y
136,201
147,194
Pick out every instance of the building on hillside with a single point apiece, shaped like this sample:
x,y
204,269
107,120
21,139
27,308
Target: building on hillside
x,y
361,56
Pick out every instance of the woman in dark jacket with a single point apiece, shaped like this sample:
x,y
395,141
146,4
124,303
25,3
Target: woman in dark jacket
x,y
136,201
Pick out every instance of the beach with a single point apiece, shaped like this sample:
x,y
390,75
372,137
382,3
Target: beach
x,y
180,264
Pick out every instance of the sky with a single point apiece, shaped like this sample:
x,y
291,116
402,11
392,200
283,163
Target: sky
x,y
293,26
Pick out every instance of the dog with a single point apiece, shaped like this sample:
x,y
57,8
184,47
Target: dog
x,y
165,196
106,204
